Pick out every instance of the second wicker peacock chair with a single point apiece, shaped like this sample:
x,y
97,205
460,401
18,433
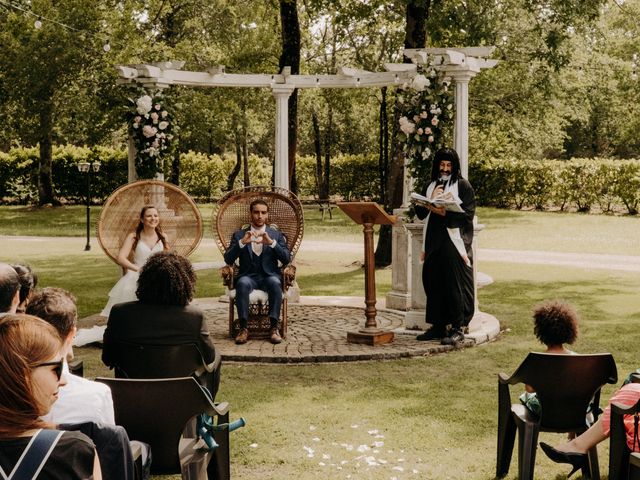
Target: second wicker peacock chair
x,y
285,215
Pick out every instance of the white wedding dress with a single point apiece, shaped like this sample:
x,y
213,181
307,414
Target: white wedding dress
x,y
125,289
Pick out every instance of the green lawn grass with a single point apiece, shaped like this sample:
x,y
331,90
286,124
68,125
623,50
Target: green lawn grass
x,y
434,415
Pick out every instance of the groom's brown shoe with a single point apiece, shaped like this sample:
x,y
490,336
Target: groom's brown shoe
x,y
242,337
275,336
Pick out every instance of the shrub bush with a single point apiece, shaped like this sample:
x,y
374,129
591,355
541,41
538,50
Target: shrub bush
x,y
577,183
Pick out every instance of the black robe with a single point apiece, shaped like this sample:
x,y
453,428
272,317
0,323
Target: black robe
x,y
447,279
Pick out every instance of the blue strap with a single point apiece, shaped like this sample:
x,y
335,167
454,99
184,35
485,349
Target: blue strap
x,y
35,455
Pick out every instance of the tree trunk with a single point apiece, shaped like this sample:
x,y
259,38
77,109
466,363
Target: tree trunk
x,y
236,168
45,178
383,146
245,154
316,146
290,57
328,140
417,14
175,168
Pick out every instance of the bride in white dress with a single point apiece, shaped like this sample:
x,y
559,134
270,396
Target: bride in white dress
x,y
136,249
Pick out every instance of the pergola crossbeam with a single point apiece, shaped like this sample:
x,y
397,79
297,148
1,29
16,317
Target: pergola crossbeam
x,y
461,64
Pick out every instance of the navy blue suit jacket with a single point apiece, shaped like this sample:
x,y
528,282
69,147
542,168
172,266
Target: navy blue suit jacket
x,y
269,257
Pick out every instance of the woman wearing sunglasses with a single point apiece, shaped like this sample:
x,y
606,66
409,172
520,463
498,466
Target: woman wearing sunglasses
x,y
31,365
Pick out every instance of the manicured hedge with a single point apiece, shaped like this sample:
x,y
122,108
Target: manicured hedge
x,y
584,184
581,184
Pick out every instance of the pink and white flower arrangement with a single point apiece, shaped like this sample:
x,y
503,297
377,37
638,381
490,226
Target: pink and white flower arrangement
x,y
152,130
425,122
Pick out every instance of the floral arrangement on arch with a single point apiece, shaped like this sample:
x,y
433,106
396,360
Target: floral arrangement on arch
x,y
426,106
152,128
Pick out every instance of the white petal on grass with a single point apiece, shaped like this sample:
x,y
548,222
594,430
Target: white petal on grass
x,y
363,448
379,436
326,456
372,432
312,427
382,461
414,470
398,469
315,439
355,426
321,464
378,444
253,445
400,460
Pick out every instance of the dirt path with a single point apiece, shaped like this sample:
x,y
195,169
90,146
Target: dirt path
x,y
628,263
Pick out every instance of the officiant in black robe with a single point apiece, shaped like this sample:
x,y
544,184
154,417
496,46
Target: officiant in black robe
x,y
447,271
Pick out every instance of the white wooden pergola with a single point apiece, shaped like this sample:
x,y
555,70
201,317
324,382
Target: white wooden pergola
x,y
461,64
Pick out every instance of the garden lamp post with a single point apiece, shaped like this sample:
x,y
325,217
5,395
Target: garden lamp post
x,y
86,167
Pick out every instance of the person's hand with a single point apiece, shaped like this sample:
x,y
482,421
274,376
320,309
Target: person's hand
x,y
439,190
266,240
437,210
247,237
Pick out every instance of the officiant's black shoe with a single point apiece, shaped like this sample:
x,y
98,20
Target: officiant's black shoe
x,y
455,338
431,334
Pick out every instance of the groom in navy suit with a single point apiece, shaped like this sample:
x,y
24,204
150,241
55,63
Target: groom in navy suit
x,y
259,249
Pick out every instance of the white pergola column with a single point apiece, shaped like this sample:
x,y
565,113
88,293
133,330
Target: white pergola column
x,y
461,127
282,94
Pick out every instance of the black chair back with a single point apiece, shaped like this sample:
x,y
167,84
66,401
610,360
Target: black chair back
x,y
565,385
134,360
156,411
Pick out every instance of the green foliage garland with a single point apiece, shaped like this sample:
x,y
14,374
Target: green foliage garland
x,y
426,110
152,128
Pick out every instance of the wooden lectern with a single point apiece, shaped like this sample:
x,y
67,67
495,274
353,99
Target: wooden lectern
x,y
368,214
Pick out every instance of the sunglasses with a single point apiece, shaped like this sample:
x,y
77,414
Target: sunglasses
x,y
58,365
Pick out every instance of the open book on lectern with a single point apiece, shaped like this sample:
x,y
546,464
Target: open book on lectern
x,y
447,200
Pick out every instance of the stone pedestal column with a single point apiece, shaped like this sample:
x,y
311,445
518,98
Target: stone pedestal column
x,y
399,298
416,314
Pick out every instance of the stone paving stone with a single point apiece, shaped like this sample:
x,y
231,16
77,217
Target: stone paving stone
x,y
318,333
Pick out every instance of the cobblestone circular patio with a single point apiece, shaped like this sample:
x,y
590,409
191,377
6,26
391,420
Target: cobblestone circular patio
x,y
318,333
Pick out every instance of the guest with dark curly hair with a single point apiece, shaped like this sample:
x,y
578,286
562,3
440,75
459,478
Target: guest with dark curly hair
x,y
162,315
28,283
555,323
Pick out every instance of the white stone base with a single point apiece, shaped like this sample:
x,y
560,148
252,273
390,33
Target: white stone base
x,y
398,300
415,319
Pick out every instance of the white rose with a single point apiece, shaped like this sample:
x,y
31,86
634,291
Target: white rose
x,y
431,139
158,107
419,83
143,104
163,125
406,126
164,114
154,117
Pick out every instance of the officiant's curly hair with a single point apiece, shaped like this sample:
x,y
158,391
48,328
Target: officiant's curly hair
x,y
166,279
446,154
555,323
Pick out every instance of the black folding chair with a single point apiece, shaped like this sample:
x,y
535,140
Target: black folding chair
x,y
567,387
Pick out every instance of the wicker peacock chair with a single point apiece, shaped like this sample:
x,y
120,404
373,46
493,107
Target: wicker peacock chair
x,y
180,218
286,215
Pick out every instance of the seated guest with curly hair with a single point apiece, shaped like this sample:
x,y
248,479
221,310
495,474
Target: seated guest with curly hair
x,y
31,365
28,283
555,323
162,315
